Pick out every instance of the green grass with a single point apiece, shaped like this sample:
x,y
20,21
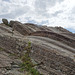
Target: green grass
x,y
12,54
1,49
33,71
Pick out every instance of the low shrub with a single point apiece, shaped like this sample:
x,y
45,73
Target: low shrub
x,y
27,64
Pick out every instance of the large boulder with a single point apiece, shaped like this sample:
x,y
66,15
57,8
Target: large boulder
x,y
5,21
11,23
22,29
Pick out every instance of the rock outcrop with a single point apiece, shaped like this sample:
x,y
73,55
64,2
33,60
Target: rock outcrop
x,y
54,46
5,21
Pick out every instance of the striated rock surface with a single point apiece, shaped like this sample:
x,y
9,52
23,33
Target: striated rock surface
x,y
54,46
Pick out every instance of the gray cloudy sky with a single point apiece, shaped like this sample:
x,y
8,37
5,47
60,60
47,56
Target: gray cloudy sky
x,y
42,12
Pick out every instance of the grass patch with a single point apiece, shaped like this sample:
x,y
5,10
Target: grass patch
x,y
12,54
1,49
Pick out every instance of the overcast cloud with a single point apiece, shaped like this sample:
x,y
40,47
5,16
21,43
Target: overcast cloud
x,y
42,12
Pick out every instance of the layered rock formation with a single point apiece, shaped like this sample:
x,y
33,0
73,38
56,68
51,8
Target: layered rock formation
x,y
54,46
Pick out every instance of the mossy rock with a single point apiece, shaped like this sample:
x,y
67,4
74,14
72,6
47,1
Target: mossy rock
x,y
5,21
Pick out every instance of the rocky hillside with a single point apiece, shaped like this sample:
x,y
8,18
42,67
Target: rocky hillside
x,y
54,46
